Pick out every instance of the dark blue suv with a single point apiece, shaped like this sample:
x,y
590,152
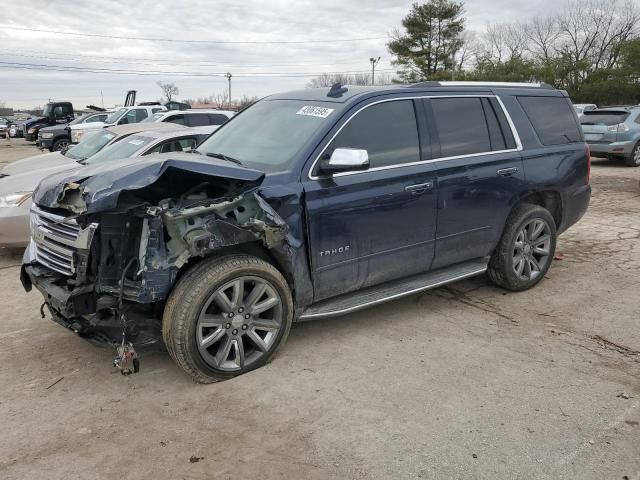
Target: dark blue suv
x,y
308,204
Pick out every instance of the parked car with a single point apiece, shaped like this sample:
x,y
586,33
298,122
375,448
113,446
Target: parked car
x,y
54,113
15,129
613,133
580,108
192,118
308,204
58,137
19,179
4,127
122,116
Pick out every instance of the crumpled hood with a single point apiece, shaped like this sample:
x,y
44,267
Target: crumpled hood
x,y
99,186
33,121
38,162
28,181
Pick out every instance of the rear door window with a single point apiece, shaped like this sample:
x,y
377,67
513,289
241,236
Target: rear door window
x,y
217,119
462,126
388,131
197,119
552,119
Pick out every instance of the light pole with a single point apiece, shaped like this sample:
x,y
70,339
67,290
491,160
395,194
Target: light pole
x,y
228,75
373,69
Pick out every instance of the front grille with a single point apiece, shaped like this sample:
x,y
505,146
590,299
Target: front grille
x,y
57,239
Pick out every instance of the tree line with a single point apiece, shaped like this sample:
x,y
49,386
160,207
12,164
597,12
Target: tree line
x,y
591,49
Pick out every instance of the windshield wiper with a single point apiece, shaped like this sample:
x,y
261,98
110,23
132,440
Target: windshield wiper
x,y
223,157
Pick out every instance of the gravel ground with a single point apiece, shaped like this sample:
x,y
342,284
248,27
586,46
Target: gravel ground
x,y
466,381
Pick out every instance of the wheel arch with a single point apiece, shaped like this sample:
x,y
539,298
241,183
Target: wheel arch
x,y
551,200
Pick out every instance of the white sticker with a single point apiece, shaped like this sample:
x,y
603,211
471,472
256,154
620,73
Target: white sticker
x,y
312,111
136,142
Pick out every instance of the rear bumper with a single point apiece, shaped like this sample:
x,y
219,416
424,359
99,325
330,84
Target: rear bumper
x,y
575,207
623,149
14,226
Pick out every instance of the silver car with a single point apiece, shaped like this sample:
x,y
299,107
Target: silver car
x,y
613,133
19,179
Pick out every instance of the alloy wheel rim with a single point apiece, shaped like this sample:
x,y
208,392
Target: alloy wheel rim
x,y
61,146
239,323
636,155
532,249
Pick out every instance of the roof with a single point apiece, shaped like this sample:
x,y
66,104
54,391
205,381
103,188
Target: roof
x,y
142,127
350,93
164,133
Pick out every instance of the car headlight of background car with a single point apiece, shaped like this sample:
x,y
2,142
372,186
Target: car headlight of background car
x,y
76,135
46,135
14,199
31,130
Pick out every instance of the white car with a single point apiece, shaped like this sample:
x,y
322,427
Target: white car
x,y
193,117
122,116
580,108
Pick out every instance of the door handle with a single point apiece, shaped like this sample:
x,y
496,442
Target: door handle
x,y
507,172
419,188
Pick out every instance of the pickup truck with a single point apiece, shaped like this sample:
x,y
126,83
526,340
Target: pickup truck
x,y
57,138
54,113
308,204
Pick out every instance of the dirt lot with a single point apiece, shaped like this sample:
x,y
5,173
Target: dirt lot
x,y
465,381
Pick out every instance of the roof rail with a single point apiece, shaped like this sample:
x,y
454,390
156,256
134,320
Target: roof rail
x,y
448,83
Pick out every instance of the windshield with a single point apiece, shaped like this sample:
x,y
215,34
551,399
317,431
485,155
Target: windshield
x,y
269,134
113,118
579,110
603,117
152,118
47,110
90,144
122,149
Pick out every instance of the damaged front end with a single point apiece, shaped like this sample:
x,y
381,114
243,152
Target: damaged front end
x,y
107,248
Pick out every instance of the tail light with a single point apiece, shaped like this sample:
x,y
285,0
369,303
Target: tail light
x,y
588,152
620,127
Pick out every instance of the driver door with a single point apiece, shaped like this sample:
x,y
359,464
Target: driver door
x,y
369,227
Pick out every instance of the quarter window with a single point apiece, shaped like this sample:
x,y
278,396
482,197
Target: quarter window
x,y
462,126
387,131
217,118
552,119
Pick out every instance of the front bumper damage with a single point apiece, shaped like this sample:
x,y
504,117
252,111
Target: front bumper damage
x,y
153,244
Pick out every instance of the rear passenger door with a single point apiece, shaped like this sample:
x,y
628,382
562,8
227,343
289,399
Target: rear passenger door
x,y
480,175
372,226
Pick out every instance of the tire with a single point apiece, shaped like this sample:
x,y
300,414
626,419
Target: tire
x,y
634,159
59,144
519,253
204,339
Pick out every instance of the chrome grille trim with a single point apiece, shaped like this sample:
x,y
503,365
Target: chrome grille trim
x,y
57,239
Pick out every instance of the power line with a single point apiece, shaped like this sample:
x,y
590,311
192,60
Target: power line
x,y
144,61
68,68
174,40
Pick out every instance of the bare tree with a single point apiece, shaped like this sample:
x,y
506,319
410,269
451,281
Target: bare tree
x,y
169,90
542,35
221,99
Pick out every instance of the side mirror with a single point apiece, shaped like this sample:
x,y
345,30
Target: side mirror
x,y
345,160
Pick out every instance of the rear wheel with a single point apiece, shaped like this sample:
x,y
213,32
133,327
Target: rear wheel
x,y
634,159
227,316
526,248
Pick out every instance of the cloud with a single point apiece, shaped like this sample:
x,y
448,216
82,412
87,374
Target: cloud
x,y
222,20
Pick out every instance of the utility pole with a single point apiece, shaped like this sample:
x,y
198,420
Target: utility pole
x,y
228,75
373,69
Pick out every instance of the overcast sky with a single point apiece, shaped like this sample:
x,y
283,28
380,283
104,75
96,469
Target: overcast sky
x,y
202,20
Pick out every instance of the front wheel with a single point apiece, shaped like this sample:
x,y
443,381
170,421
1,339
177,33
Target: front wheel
x,y
526,248
59,145
227,316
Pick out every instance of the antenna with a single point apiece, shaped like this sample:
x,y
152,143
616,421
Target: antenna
x,y
337,90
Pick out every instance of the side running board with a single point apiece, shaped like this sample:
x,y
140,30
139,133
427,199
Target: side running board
x,y
393,290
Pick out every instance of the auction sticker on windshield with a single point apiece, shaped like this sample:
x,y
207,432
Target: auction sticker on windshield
x,y
312,111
